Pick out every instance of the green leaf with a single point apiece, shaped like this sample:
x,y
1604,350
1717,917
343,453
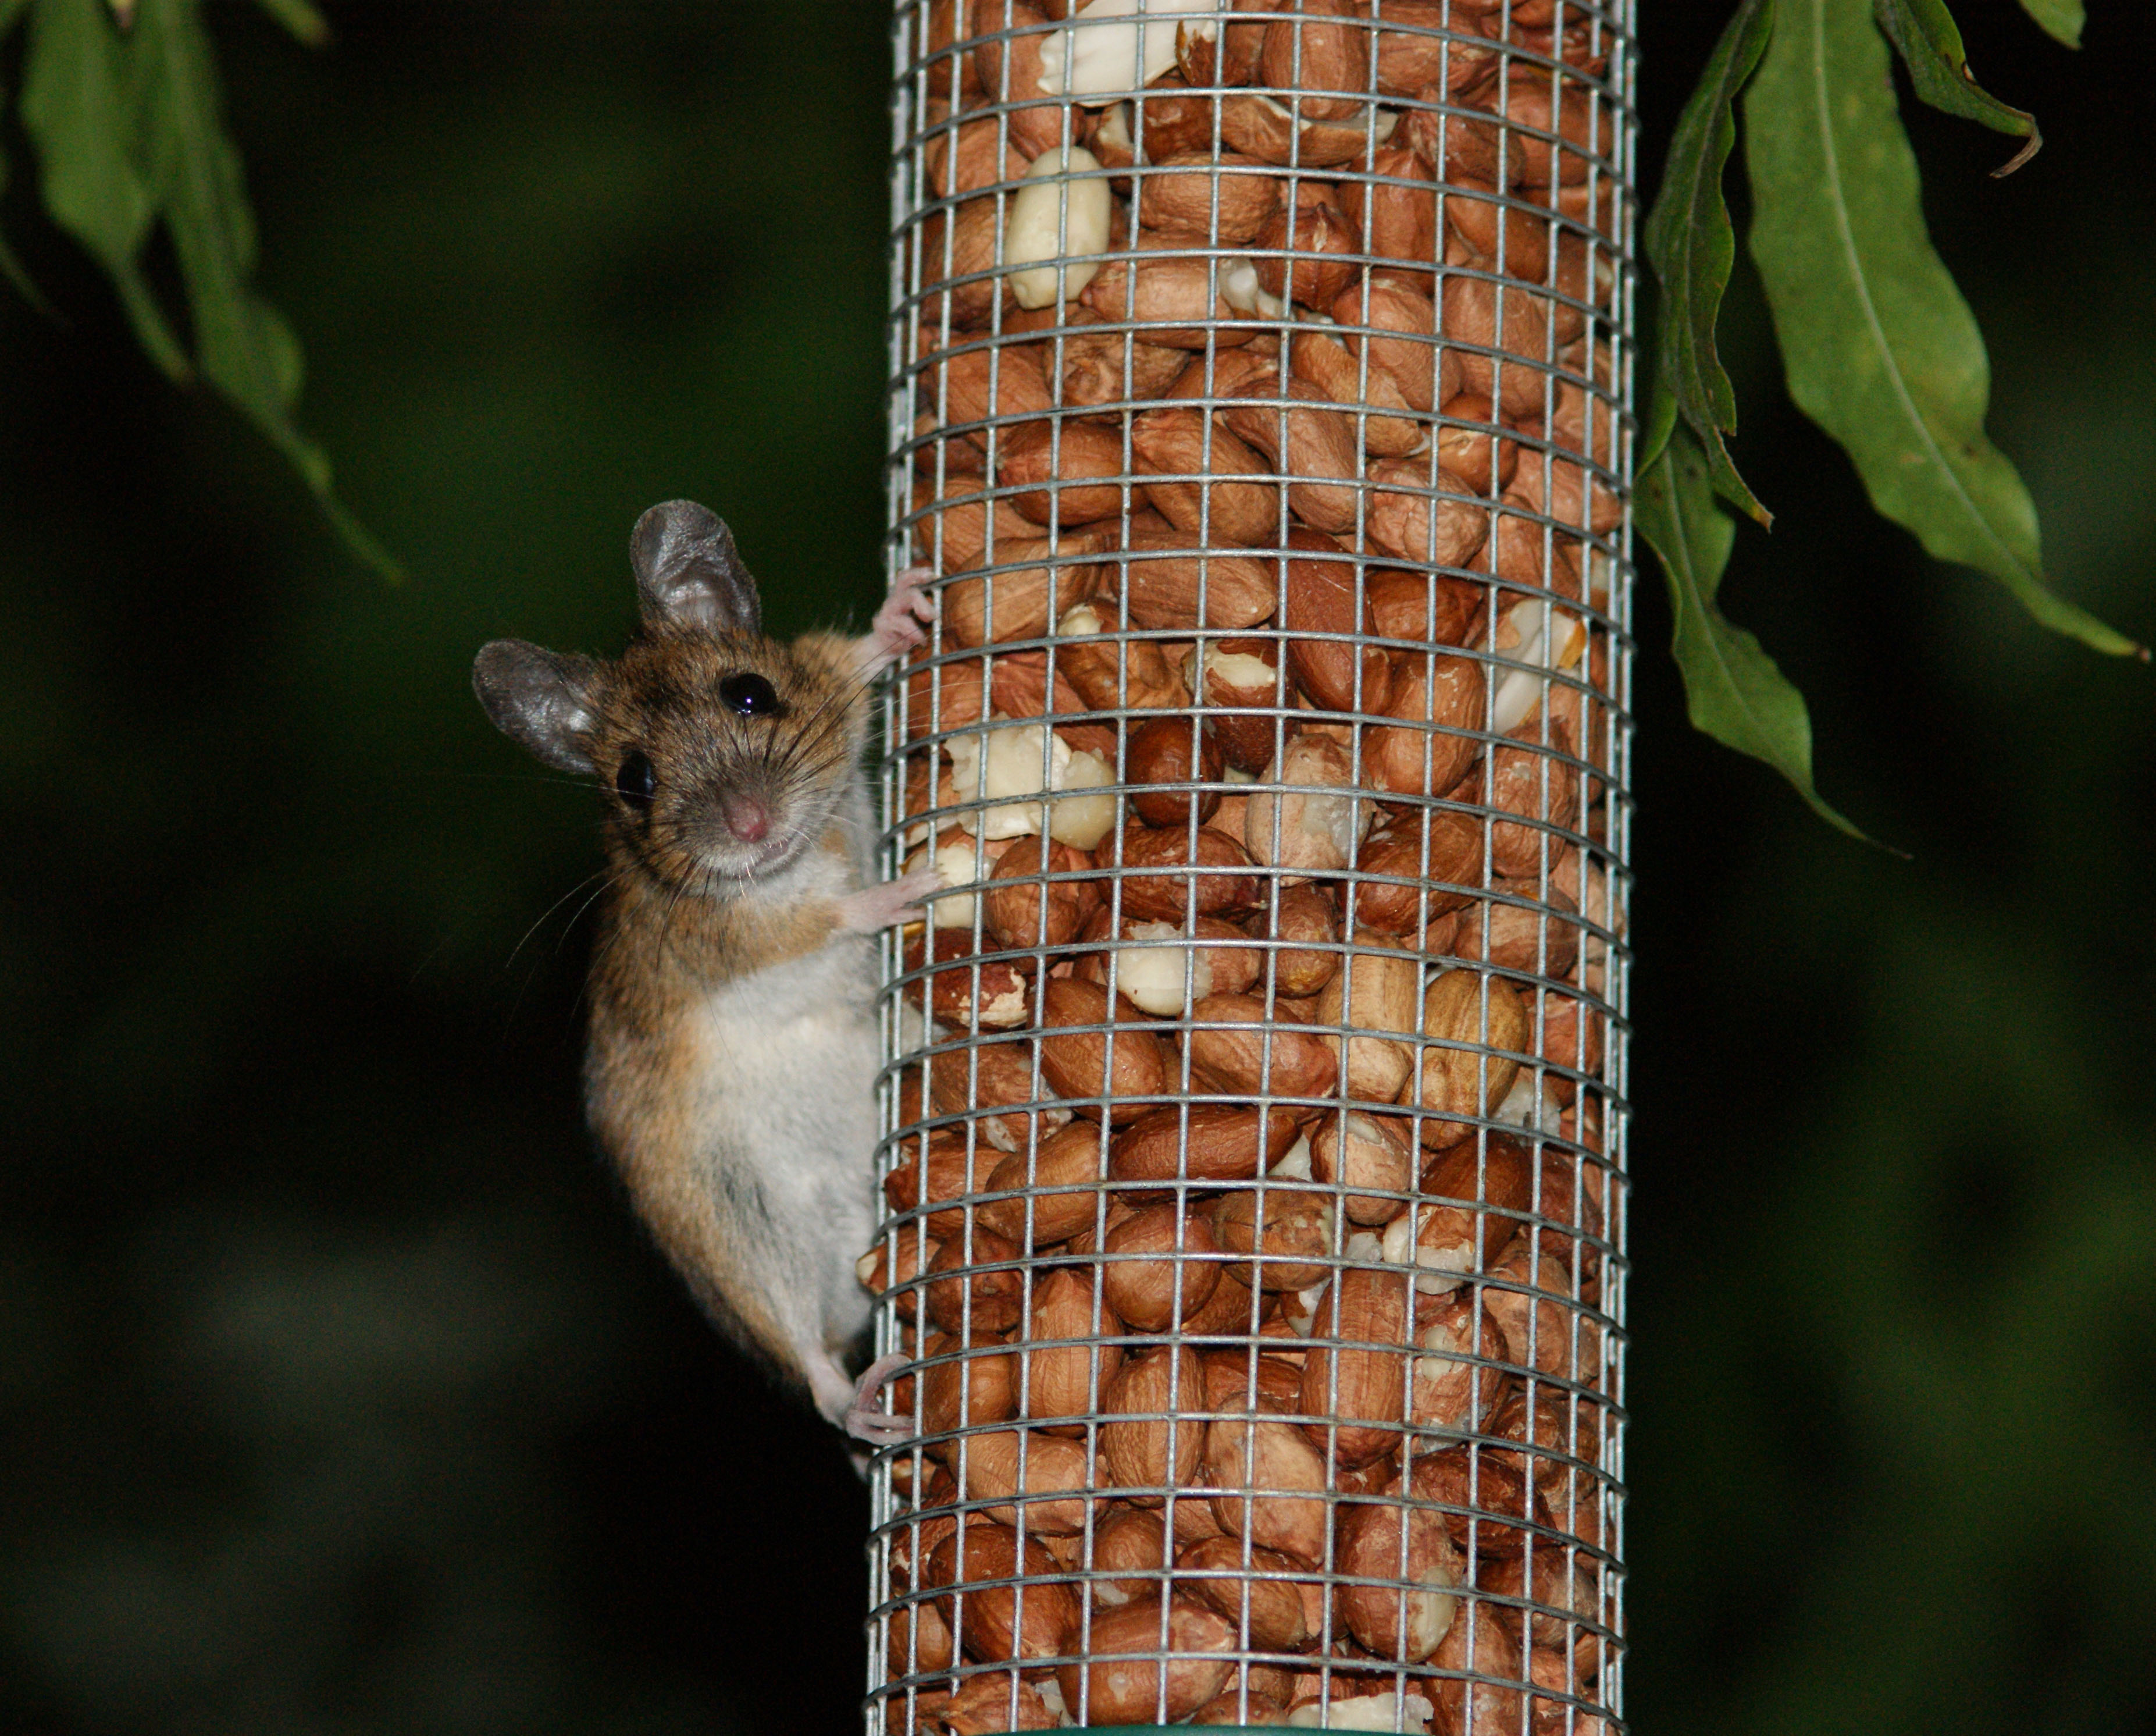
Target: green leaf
x,y
1692,245
1881,349
2062,19
11,268
1930,45
300,18
1733,689
1655,432
78,110
244,346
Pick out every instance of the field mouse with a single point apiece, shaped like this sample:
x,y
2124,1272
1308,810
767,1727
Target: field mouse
x,y
732,1049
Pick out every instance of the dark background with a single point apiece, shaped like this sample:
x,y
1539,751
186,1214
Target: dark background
x,y
337,1392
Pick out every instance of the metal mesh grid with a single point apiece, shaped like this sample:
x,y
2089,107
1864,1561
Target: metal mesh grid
x,y
1255,1103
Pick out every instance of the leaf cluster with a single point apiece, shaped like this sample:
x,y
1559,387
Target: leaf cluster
x,y
121,101
1879,347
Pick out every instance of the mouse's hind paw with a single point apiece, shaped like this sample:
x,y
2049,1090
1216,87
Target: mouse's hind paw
x,y
865,1418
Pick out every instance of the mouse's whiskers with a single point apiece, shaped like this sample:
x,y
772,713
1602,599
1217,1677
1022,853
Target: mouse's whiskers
x,y
608,877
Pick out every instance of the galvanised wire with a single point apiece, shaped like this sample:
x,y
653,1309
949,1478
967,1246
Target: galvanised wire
x,y
1528,1478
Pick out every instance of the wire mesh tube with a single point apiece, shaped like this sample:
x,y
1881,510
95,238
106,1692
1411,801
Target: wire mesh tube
x,y
1255,1094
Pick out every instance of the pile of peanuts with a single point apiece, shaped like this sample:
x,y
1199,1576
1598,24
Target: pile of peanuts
x,y
1254,1208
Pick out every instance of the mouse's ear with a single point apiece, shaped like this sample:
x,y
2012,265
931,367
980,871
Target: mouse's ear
x,y
539,700
688,573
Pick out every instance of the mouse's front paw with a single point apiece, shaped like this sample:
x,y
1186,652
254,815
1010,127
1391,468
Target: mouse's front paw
x,y
876,907
897,628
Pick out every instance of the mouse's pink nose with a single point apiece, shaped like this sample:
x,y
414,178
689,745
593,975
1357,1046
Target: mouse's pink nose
x,y
747,819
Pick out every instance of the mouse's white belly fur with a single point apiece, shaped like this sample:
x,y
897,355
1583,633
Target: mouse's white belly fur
x,y
791,1093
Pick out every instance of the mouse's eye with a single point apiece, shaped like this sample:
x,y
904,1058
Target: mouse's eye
x,y
751,695
635,780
